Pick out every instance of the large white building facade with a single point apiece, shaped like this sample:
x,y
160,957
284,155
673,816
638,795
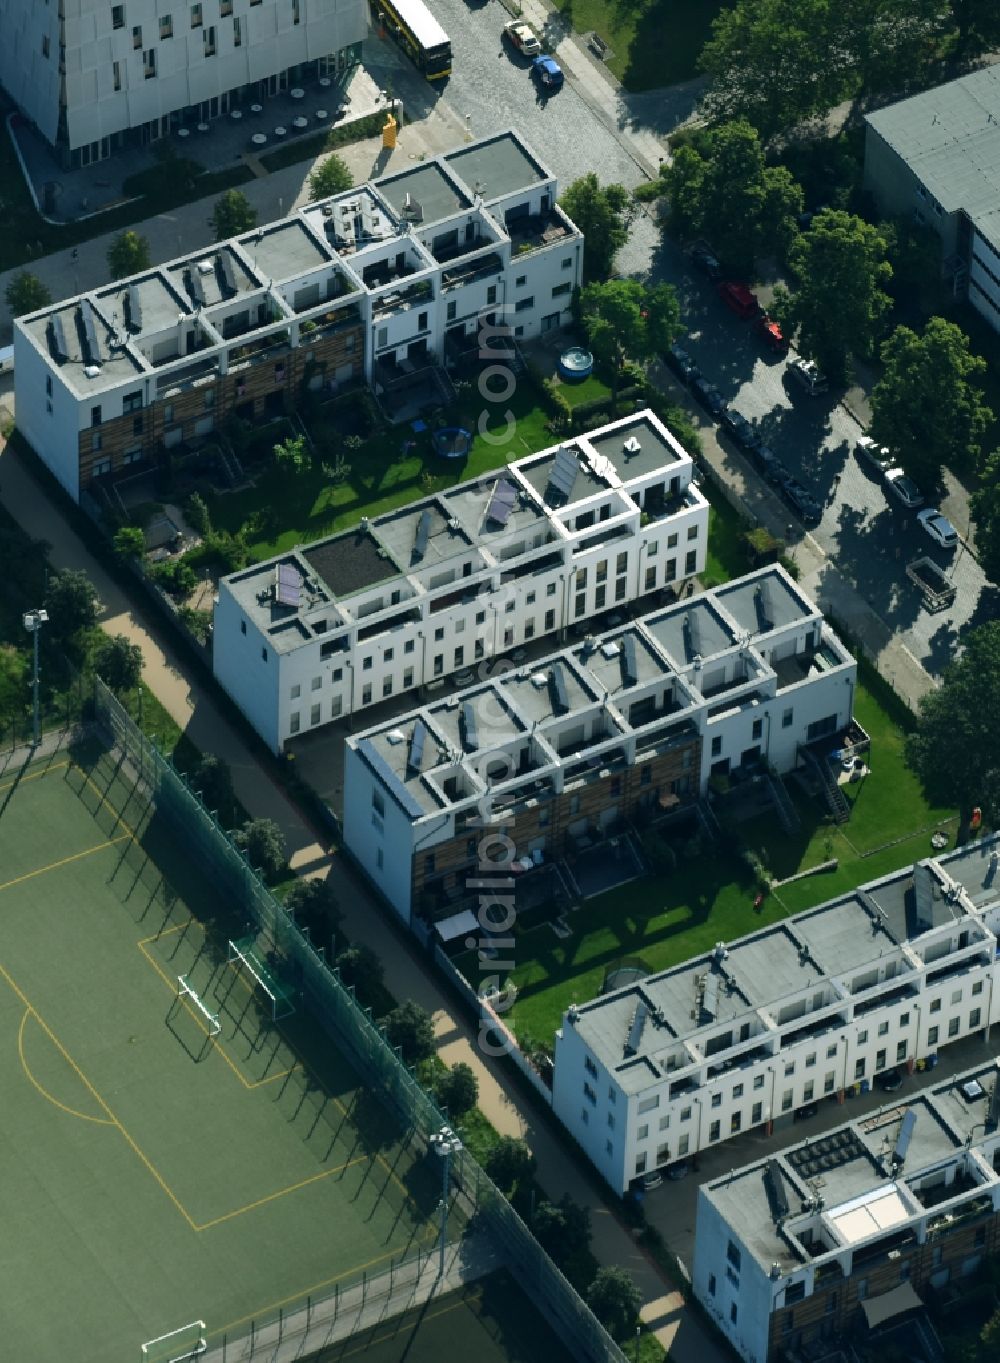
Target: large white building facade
x,y
569,751
804,1010
389,282
845,1237
475,572
88,73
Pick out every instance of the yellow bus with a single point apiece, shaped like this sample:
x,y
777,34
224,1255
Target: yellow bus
x,y
418,33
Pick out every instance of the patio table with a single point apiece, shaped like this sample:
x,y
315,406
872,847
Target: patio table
x,y
300,122
280,131
256,108
297,93
322,115
259,139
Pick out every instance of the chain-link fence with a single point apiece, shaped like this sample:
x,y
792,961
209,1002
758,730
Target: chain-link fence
x,y
334,1007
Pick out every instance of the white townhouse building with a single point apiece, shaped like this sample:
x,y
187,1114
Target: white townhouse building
x,y
387,282
801,1011
93,74
847,1236
559,754
471,573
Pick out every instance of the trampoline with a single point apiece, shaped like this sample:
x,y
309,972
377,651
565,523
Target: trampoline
x,y
452,442
575,364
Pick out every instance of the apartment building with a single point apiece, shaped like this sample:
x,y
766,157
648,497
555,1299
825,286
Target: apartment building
x,y
476,571
385,283
845,1237
742,1036
935,158
93,75
557,754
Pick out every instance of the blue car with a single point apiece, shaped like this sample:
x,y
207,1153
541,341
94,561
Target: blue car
x,y
548,71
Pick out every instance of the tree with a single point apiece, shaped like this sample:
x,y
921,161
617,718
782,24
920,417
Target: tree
x,y
603,215
985,508
196,511
458,1089
722,189
615,1301
264,844
838,302
409,1027
955,749
214,782
314,907
332,177
13,681
510,1163
26,293
233,213
292,453
361,968
563,1231
626,320
129,542
118,663
128,254
928,406
71,603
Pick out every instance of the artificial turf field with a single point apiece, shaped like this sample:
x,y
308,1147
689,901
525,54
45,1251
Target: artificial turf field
x,y
151,1175
490,1321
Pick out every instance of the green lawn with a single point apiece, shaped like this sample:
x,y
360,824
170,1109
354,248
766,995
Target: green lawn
x,y
654,42
727,556
667,919
283,510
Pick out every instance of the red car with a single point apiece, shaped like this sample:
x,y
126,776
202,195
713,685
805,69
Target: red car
x,y
740,299
771,334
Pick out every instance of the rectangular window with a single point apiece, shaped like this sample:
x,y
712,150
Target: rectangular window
x,y
956,997
756,1114
786,1101
829,1080
237,32
523,304
716,1099
683,1145
932,1036
366,695
314,715
900,1052
953,1026
196,16
692,532
136,37
733,1313
690,563
117,16
883,1029
758,1081
294,723
859,1068
717,745
561,289
650,580
935,1005
386,686
714,1131
974,1017
786,718
166,26
977,988
116,72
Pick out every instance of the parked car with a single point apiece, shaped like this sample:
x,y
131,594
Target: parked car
x,y
903,489
677,359
802,502
651,1180
740,428
548,73
769,464
889,1080
675,1172
939,527
704,259
708,395
807,376
739,298
523,37
876,457
771,334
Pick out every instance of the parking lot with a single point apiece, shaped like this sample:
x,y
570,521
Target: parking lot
x,y
672,1208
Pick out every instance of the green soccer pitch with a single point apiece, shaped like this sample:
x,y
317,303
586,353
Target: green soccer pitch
x,y
156,1172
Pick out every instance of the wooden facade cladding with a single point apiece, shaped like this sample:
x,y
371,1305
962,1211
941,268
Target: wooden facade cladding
x,y
552,821
137,437
834,1308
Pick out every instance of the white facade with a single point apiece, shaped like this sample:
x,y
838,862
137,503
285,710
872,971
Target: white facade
x,y
800,1011
378,617
133,64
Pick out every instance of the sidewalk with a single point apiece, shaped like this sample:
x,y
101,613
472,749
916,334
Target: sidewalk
x,y
407,974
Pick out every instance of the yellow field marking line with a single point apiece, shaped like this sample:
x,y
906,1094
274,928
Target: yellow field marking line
x,y
273,1197
424,1317
192,1012
64,861
112,1119
35,776
118,818
308,1291
71,1111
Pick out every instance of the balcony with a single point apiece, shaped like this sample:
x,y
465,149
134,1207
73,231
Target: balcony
x,y
537,231
391,303
791,671
459,275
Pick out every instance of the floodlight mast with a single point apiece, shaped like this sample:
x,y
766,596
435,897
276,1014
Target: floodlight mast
x,y
33,622
444,1143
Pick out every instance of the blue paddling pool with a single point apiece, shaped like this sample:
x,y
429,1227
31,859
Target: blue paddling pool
x,y
575,364
452,442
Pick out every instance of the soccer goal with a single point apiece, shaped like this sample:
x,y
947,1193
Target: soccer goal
x,y
184,991
282,1000
187,1342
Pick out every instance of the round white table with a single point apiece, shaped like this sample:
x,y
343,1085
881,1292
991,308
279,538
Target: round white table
x,y
280,131
297,93
256,108
236,114
183,132
300,122
203,127
324,82
259,139
322,115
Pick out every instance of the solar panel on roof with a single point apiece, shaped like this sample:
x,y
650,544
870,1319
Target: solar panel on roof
x,y
416,754
91,344
502,502
57,338
630,667
133,302
423,533
225,263
562,476
470,734
560,696
289,585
